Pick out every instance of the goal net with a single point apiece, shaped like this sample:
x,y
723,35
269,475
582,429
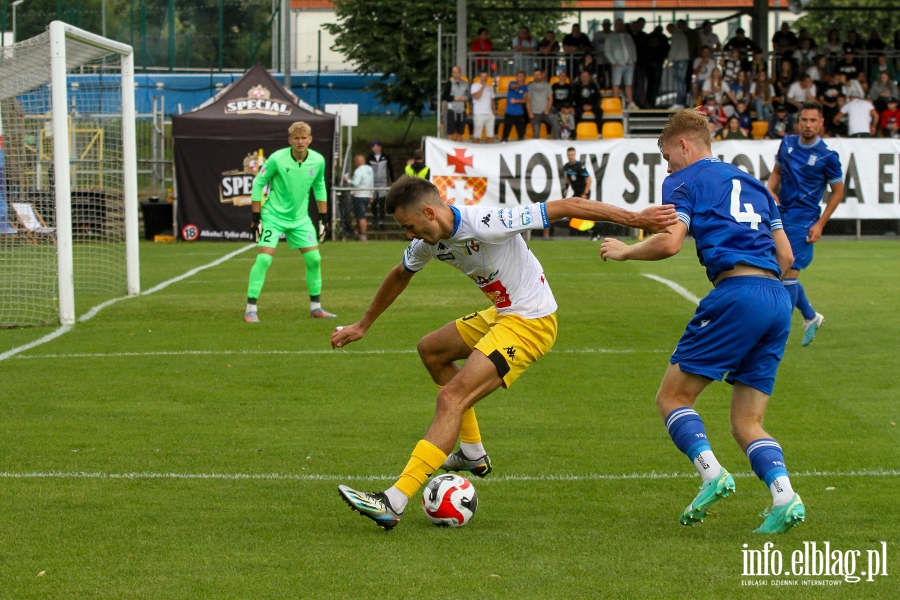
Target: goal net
x,y
68,179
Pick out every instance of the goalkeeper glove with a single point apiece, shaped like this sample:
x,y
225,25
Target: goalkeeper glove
x,y
323,233
255,227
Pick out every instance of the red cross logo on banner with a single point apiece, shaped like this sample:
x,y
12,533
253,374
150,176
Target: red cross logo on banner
x,y
459,161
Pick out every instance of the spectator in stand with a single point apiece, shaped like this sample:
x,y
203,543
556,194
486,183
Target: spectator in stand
x,y
733,130
805,56
862,117
693,42
742,43
714,86
850,87
416,167
784,79
657,50
890,120
743,115
853,43
586,94
784,42
455,94
590,66
881,90
363,181
562,90
738,91
841,121
758,65
516,100
714,113
818,70
828,93
832,47
384,177
548,49
680,59
566,121
599,45
521,44
804,35
882,65
703,68
897,40
639,39
540,106
621,54
482,44
708,38
578,45
762,94
731,65
484,109
780,124
875,43
802,90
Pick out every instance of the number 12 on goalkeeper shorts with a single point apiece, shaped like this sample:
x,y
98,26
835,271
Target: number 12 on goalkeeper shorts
x,y
747,215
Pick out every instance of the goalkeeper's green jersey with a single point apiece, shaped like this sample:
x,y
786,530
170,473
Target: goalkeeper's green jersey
x,y
289,185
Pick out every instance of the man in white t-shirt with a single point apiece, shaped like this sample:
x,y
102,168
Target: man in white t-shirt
x,y
497,344
801,91
862,114
484,109
703,68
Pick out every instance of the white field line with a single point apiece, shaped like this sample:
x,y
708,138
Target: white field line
x,y
497,478
92,312
678,289
297,352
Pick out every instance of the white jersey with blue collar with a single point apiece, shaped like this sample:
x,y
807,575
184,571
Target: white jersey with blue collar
x,y
486,246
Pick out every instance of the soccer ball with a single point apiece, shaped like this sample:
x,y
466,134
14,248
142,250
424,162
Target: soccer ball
x,y
449,501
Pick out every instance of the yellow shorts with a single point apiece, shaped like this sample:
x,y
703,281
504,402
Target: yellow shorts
x,y
510,341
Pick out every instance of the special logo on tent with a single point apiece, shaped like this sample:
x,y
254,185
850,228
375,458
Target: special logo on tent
x,y
455,189
257,102
236,186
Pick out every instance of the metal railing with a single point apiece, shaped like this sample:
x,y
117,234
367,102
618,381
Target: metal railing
x,y
343,210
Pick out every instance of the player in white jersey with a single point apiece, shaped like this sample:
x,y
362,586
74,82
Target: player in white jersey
x,y
497,343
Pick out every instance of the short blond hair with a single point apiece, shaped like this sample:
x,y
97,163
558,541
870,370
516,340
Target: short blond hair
x,y
686,123
300,127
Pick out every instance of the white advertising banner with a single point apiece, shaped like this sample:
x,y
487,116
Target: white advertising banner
x,y
629,172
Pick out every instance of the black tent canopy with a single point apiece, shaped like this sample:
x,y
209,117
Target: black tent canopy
x,y
219,147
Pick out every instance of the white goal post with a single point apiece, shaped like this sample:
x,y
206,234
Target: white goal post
x,y
69,149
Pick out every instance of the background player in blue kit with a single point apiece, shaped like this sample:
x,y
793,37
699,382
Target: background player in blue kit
x,y
739,330
803,165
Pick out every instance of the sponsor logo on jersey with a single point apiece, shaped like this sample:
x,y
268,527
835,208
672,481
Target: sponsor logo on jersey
x,y
312,171
497,294
812,160
483,281
525,218
446,256
257,102
235,187
506,217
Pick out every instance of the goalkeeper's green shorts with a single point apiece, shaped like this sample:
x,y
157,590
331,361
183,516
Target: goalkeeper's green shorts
x,y
299,235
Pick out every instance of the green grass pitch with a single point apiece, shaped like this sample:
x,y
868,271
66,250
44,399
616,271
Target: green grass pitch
x,y
161,402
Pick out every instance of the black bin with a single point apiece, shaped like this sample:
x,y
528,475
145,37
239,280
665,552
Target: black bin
x,y
157,218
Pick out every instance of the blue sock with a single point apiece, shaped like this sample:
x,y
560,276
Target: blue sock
x,y
766,459
686,429
803,304
792,285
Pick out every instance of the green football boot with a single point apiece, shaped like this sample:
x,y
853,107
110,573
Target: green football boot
x,y
710,493
783,518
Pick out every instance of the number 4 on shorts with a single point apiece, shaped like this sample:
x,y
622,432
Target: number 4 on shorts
x,y
742,217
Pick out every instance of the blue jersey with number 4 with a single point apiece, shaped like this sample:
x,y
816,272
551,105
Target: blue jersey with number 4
x,y
730,214
804,172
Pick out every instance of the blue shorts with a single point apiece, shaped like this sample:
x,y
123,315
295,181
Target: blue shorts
x,y
740,329
803,250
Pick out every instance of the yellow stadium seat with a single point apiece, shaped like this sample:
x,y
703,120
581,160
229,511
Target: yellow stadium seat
x,y
611,107
554,80
612,130
586,130
501,106
503,86
760,128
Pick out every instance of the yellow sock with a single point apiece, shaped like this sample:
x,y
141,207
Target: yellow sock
x,y
425,460
468,430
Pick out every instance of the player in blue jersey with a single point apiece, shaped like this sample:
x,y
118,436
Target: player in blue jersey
x,y
803,165
740,328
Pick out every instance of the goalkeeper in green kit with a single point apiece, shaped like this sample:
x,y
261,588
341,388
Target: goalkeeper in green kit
x,y
290,173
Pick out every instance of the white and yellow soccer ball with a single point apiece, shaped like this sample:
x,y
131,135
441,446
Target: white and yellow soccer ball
x,y
449,500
